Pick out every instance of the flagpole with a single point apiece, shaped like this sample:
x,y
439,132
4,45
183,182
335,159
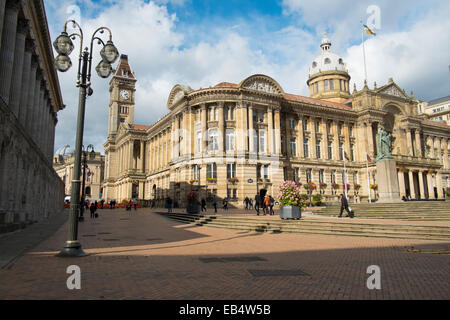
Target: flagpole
x,y
364,50
368,178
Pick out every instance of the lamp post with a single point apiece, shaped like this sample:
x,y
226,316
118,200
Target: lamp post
x,y
64,46
83,188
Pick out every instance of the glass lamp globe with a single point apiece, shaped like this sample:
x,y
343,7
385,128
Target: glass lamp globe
x,y
103,69
63,45
109,52
63,63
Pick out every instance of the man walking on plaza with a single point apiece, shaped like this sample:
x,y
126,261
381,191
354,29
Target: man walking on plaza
x,y
203,205
215,203
257,201
135,204
272,202
344,206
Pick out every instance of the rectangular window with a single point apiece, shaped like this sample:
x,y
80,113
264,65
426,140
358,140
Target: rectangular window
x,y
316,86
195,172
258,171
255,141
340,85
282,144
227,110
341,151
229,141
261,116
308,175
199,141
331,84
340,129
297,174
266,171
216,113
291,123
213,141
306,148
318,151
330,150
293,147
350,130
211,170
231,113
262,141
326,85
328,127
210,114
305,124
317,126
231,170
255,116
333,176
321,180
352,152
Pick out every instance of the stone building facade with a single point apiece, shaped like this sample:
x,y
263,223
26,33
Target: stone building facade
x,y
30,98
238,140
95,166
436,109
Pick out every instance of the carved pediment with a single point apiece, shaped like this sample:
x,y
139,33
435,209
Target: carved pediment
x,y
393,90
262,83
178,93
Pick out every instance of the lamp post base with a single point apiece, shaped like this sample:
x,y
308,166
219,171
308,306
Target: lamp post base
x,y
72,249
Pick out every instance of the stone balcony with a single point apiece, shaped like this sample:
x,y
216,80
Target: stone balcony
x,y
412,160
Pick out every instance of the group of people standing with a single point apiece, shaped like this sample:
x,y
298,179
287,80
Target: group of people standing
x,y
265,203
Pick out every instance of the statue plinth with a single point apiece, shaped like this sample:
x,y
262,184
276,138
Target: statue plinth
x,y
387,181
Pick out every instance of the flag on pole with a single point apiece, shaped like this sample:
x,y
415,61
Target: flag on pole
x,y
368,30
369,159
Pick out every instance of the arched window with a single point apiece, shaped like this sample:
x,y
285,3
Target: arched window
x,y
88,191
327,61
314,64
341,61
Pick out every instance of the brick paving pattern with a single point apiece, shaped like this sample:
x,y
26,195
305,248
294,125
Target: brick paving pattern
x,y
142,255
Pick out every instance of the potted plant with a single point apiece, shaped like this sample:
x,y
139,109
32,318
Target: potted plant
x,y
193,203
211,180
289,196
193,180
310,187
233,180
356,187
322,186
346,186
334,186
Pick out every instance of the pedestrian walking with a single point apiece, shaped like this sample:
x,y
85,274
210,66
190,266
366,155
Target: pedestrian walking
x,y
92,209
250,204
266,204
344,206
225,203
169,204
203,205
129,204
102,203
215,203
257,201
246,203
135,203
272,202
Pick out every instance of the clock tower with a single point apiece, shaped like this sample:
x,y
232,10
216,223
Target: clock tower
x,y
121,99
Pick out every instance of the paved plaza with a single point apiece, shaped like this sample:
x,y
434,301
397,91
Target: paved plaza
x,y
143,255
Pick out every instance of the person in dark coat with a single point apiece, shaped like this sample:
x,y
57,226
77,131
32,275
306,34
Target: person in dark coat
x,y
92,209
272,202
246,201
215,203
344,206
203,205
257,201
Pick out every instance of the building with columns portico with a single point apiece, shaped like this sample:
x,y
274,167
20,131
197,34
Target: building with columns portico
x,y
30,97
238,140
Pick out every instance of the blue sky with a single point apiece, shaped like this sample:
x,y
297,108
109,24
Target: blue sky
x,y
201,43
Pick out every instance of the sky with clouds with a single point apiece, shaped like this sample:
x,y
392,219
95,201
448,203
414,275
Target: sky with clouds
x,y
201,43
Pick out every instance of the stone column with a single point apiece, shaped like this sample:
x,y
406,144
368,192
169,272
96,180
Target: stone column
x,y
300,136
335,144
439,185
204,123
323,141
409,142
418,144
270,149
141,157
8,45
401,183
38,119
313,139
221,130
421,185
431,184
17,70
369,137
277,132
2,16
412,190
30,102
288,136
29,47
250,129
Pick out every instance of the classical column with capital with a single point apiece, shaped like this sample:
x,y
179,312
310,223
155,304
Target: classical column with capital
x,y
251,148
270,134
31,92
401,183
7,50
421,185
17,70
277,132
431,184
23,104
221,124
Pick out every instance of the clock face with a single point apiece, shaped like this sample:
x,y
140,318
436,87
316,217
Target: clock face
x,y
124,94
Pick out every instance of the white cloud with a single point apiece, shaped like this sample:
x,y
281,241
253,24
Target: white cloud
x,y
163,55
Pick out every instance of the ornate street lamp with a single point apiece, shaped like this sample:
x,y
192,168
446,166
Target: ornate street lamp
x,y
83,188
64,46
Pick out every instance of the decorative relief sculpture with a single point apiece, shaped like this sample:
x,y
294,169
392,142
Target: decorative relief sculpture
x,y
261,86
179,95
384,145
393,91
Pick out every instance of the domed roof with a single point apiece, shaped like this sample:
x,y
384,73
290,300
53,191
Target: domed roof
x,y
327,61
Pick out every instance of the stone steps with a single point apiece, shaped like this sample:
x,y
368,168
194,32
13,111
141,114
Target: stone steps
x,y
316,227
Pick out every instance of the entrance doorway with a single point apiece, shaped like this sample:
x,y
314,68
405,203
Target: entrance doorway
x,y
262,194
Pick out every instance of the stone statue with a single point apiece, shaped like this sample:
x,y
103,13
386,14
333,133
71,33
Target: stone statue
x,y
384,145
